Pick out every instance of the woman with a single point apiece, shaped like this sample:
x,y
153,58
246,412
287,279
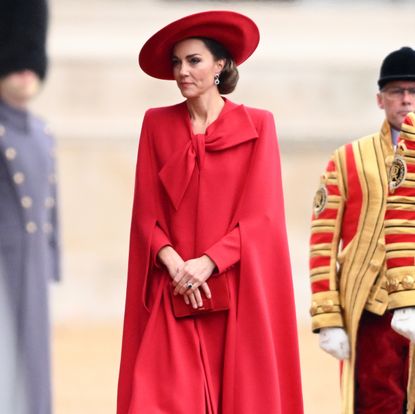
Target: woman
x,y
208,207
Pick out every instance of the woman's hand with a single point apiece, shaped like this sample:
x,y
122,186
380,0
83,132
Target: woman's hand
x,y
195,298
194,271
192,275
171,259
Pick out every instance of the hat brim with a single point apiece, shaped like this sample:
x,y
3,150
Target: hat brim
x,y
386,79
236,32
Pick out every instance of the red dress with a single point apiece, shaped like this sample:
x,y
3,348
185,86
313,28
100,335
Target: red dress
x,y
219,193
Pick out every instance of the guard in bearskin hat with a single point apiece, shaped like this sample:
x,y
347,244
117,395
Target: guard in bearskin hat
x,y
23,29
29,257
364,313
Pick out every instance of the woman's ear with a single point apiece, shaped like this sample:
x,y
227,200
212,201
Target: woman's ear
x,y
220,64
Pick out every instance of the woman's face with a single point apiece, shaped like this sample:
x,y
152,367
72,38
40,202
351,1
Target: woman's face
x,y
194,68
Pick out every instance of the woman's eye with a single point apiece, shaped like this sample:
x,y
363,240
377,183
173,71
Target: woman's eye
x,y
175,62
193,61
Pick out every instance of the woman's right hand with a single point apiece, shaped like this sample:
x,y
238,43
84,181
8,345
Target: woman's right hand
x,y
174,263
171,259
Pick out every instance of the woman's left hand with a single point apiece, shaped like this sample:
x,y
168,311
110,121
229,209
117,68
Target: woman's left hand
x,y
194,299
193,274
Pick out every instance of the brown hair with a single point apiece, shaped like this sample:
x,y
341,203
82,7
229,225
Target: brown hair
x,y
229,76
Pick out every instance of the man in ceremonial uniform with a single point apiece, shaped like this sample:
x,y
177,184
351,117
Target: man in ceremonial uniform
x,y
400,238
351,298
28,227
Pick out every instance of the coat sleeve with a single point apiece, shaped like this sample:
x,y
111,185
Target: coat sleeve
x,y
143,227
227,251
400,221
324,244
158,241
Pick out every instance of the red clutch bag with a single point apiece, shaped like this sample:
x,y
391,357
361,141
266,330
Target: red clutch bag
x,y
219,301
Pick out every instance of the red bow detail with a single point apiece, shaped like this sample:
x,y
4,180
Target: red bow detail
x,y
230,129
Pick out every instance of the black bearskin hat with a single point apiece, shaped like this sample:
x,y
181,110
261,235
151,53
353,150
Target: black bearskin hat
x,y
398,65
23,28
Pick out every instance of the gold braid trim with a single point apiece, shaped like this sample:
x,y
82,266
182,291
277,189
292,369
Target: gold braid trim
x,y
320,270
400,199
399,206
408,184
325,302
399,223
325,309
364,261
324,222
322,246
411,382
399,230
398,247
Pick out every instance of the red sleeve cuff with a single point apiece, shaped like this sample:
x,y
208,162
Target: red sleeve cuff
x,y
227,251
158,241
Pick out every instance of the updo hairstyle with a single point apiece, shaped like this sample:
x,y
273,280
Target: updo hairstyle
x,y
229,75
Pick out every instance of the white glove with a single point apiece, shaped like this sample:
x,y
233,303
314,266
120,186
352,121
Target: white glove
x,y
335,341
403,322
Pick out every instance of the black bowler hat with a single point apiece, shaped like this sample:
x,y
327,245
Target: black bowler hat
x,y
398,65
23,28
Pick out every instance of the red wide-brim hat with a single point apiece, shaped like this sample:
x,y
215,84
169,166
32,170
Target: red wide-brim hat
x,y
236,32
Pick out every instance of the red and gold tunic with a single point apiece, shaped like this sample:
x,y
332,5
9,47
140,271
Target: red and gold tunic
x,y
400,229
347,249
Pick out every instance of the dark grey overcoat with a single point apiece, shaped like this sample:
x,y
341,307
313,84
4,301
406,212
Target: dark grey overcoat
x,y
28,246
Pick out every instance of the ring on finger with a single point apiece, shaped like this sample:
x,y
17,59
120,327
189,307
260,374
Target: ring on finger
x,y
189,285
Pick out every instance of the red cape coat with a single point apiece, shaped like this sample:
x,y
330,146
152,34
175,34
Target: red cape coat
x,y
217,193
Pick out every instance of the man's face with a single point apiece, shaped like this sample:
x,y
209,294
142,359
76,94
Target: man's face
x,y
18,88
397,98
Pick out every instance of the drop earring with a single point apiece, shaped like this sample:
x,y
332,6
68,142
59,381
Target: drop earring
x,y
217,81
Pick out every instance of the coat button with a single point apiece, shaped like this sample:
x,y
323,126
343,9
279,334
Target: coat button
x,y
26,201
18,177
31,227
10,153
49,202
47,228
2,130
